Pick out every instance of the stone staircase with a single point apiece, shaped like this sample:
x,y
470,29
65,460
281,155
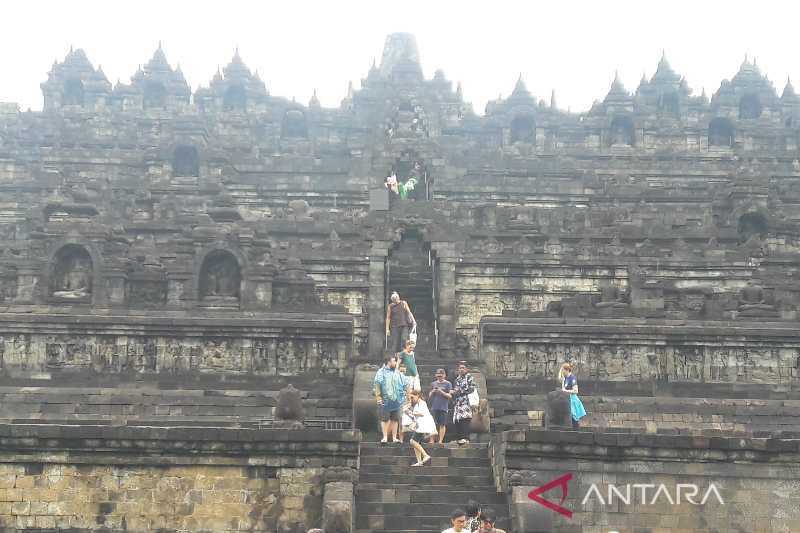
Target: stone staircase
x,y
395,497
411,275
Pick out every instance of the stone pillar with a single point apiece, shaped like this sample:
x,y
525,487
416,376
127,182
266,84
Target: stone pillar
x,y
116,280
446,306
337,507
376,301
27,284
180,289
258,291
528,516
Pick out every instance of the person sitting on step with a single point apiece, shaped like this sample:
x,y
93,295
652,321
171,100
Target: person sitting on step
x,y
420,423
458,521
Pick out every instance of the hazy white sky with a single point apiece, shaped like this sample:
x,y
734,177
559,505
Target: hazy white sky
x,y
298,45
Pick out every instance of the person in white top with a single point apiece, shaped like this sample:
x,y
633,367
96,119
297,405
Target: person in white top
x,y
418,418
458,521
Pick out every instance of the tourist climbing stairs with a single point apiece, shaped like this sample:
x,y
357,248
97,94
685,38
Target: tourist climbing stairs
x,y
396,497
410,274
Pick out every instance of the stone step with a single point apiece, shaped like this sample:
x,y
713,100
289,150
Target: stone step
x,y
394,497
413,472
411,510
436,461
374,523
412,522
423,480
436,530
429,495
475,490
472,450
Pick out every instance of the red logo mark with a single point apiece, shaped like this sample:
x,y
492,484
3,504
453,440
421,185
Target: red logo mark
x,y
563,483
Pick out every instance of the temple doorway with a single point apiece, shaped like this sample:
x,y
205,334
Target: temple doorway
x,y
408,166
410,271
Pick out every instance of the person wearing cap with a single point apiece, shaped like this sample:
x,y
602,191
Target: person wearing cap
x,y
399,322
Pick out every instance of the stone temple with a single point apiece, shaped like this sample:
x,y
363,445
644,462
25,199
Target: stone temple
x,y
172,260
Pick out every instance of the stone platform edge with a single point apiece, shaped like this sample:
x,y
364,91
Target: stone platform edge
x,y
142,445
121,323
614,447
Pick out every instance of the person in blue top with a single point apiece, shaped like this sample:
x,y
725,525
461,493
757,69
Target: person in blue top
x,y
569,384
390,393
439,398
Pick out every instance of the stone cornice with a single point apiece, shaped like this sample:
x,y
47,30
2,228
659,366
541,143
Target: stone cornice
x,y
177,445
632,330
154,323
615,447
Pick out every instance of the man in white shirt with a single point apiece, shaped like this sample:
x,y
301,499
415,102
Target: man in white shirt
x,y
458,521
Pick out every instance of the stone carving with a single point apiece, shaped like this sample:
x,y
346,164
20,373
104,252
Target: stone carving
x,y
67,352
291,356
264,356
293,287
8,283
492,246
300,210
557,412
289,406
719,365
744,365
610,297
755,301
71,274
688,363
142,355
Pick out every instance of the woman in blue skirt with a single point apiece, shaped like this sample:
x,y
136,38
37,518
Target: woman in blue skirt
x,y
569,383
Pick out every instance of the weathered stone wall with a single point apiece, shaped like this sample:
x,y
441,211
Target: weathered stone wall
x,y
136,344
666,408
150,498
642,350
219,400
145,479
757,481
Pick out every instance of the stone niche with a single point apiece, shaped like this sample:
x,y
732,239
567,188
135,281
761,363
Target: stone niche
x,y
220,280
71,275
